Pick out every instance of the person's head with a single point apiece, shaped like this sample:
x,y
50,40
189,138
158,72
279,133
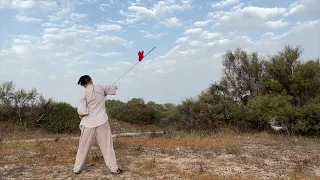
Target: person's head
x,y
85,80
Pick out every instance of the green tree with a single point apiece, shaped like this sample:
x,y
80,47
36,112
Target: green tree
x,y
24,107
241,74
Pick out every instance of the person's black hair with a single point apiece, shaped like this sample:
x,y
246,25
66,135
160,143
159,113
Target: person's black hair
x,y
83,80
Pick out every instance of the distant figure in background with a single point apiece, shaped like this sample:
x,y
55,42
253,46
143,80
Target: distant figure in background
x,y
94,124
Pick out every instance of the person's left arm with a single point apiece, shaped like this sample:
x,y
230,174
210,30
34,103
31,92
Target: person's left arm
x,y
110,90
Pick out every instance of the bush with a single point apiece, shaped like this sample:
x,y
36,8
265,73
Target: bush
x,y
196,115
166,117
62,118
261,110
308,120
136,113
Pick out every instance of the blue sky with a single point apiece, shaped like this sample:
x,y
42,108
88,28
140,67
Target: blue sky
x,y
48,45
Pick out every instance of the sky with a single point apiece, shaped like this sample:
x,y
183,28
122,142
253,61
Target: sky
x,y
48,45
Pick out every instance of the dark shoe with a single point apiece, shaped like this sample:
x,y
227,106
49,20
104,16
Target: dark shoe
x,y
119,171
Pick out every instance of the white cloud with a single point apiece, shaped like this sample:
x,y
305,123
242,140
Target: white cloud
x,y
172,22
47,5
37,9
267,35
24,5
101,8
203,23
225,3
30,11
4,3
52,30
238,6
195,31
305,34
49,24
108,54
112,40
109,27
22,18
182,40
67,16
159,11
276,24
77,17
250,18
62,14
148,35
303,7
21,41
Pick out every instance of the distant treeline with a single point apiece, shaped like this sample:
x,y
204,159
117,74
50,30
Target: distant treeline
x,y
253,93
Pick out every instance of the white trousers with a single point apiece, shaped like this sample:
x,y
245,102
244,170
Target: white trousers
x,y
103,136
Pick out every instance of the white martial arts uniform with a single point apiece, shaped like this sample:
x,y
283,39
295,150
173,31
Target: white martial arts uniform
x,y
95,125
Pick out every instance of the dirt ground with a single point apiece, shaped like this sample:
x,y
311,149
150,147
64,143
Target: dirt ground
x,y
167,156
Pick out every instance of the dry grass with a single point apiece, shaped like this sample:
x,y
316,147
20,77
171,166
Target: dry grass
x,y
225,155
230,146
53,153
9,131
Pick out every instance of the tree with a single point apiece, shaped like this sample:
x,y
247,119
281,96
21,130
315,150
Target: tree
x,y
242,74
136,101
280,70
26,107
6,96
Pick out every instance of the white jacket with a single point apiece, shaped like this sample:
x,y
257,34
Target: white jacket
x,y
92,104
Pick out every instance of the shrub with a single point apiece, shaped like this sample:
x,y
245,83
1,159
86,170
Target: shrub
x,y
62,118
136,113
308,120
194,114
157,111
261,110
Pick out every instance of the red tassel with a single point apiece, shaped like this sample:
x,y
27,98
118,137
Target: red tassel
x,y
140,54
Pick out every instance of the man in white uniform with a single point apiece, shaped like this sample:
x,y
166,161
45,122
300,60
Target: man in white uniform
x,y
94,124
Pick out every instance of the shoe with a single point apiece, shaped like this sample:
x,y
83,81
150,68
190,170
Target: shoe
x,y
119,171
76,172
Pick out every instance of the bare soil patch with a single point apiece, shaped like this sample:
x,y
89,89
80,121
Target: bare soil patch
x,y
220,156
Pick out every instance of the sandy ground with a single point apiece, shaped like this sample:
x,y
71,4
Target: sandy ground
x,y
168,156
